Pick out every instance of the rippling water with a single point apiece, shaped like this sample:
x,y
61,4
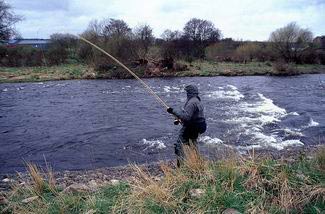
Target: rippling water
x,y
97,123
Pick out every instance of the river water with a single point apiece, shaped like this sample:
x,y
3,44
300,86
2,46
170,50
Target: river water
x,y
82,124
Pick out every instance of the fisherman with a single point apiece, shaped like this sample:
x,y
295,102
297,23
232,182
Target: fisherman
x,y
192,119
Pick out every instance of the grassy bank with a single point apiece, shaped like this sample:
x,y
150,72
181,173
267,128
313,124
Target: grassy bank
x,y
246,185
205,68
197,68
43,73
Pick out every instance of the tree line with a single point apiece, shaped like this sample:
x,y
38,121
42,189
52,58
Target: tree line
x,y
198,40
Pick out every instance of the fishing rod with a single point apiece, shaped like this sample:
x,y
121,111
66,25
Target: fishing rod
x,y
146,86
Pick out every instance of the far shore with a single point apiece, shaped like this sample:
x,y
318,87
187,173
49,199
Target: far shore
x,y
195,69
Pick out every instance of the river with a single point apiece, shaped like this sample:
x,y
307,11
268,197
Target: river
x,y
86,124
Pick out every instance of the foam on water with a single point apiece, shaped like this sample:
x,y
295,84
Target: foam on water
x,y
258,121
294,132
209,140
228,92
265,106
273,145
153,144
293,114
5,90
232,87
312,123
256,115
171,89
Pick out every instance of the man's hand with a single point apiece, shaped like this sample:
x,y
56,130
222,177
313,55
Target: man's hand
x,y
170,110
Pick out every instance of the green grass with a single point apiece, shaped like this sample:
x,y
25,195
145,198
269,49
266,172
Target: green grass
x,y
43,73
247,185
208,68
196,68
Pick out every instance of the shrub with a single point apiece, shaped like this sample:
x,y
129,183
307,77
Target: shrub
x,y
21,56
56,55
321,57
320,158
284,69
247,52
308,57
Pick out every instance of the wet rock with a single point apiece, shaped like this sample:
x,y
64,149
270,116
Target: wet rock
x,y
196,193
30,199
157,178
89,75
23,183
93,185
3,200
76,188
230,211
91,211
114,182
7,180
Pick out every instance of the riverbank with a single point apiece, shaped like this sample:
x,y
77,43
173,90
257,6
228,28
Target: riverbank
x,y
197,68
251,184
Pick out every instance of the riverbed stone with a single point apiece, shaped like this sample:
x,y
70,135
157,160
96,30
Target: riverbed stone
x,y
93,185
91,212
196,193
114,182
3,200
30,199
7,180
75,188
231,211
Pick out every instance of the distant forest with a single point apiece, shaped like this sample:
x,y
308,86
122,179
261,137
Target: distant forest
x,y
198,40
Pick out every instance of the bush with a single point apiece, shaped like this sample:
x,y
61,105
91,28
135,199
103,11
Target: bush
x,y
308,57
247,52
321,57
320,158
285,69
21,56
57,55
222,51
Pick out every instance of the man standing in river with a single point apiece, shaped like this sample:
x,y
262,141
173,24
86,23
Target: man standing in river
x,y
192,119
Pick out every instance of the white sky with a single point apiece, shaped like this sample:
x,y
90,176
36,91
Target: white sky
x,y
239,19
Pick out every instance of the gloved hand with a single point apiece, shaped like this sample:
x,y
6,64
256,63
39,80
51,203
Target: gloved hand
x,y
170,110
177,122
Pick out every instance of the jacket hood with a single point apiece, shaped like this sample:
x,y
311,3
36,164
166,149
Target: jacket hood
x,y
192,91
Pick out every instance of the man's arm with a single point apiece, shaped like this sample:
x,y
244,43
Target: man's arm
x,y
185,114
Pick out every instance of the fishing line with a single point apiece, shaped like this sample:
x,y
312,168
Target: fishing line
x,y
147,87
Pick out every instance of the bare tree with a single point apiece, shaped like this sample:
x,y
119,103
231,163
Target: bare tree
x,y
144,37
115,28
169,35
201,31
7,21
290,41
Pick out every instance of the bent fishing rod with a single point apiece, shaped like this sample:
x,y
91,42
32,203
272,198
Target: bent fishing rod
x,y
146,86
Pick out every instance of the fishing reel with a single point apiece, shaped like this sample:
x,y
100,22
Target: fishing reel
x,y
177,122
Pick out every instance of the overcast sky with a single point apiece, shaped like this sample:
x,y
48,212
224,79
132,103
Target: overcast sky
x,y
239,19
